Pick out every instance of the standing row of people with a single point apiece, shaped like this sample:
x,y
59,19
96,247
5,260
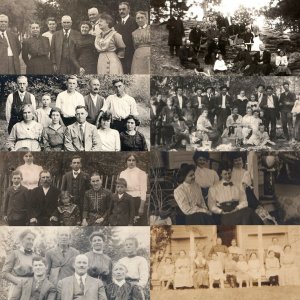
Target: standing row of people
x,y
101,47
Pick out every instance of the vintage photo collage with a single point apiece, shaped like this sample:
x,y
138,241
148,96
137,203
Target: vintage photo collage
x,y
149,149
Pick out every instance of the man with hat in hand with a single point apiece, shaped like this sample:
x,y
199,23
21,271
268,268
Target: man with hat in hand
x,y
223,105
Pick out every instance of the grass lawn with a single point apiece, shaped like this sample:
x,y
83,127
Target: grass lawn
x,y
255,293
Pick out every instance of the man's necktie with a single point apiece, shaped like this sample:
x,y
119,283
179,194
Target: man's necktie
x,y
81,134
28,251
81,285
66,35
228,184
123,22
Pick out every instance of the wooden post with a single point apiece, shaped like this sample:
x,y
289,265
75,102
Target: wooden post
x,y
261,251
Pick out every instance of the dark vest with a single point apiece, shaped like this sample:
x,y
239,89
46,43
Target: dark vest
x,y
17,104
66,47
75,189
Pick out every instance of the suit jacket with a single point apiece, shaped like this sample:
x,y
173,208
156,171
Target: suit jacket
x,y
22,291
93,111
204,101
228,103
176,101
73,141
59,266
93,290
16,49
57,42
264,102
266,58
43,206
66,184
126,31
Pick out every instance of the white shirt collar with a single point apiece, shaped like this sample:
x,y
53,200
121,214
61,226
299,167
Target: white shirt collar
x,y
119,283
143,27
16,186
46,190
83,125
78,278
125,19
21,93
78,172
94,97
120,195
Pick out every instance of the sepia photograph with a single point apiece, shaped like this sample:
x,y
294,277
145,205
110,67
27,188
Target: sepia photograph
x,y
224,188
70,113
94,263
225,113
74,37
240,37
62,189
225,262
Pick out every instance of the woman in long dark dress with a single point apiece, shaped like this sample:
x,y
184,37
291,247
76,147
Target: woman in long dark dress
x,y
131,139
83,52
35,52
120,289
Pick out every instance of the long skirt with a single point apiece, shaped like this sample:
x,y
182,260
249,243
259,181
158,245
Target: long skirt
x,y
141,61
39,65
109,63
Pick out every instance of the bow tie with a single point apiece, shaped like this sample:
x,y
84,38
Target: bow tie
x,y
228,184
132,255
28,251
75,173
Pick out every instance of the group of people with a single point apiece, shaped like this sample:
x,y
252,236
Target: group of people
x,y
231,267
205,197
66,274
217,36
76,122
100,47
33,198
220,118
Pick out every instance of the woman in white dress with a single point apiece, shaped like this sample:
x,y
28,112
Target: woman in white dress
x,y
247,125
254,269
289,273
256,43
109,138
110,46
30,171
242,271
183,271
26,134
272,268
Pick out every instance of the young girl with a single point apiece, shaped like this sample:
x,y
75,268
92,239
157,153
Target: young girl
x,y
42,113
220,65
260,137
252,103
67,214
255,269
167,273
282,64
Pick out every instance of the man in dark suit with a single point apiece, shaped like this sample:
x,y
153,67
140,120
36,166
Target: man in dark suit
x,y
263,59
10,49
36,287
199,101
61,45
223,108
260,93
125,27
81,286
180,100
270,106
93,101
44,200
76,182
209,99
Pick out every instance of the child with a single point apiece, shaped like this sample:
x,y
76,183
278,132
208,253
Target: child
x,y
122,206
242,273
260,137
282,63
215,271
67,214
167,273
42,113
230,270
220,65
16,202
